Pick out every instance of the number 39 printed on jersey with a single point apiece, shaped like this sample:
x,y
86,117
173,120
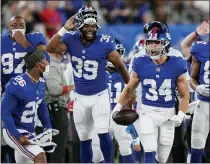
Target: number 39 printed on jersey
x,y
87,69
8,62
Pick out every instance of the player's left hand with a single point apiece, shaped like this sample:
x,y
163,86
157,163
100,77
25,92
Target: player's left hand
x,y
178,118
21,39
203,29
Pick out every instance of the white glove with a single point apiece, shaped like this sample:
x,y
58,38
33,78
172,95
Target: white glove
x,y
178,118
117,108
203,89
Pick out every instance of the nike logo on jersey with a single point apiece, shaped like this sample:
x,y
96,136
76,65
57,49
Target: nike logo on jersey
x,y
14,83
100,94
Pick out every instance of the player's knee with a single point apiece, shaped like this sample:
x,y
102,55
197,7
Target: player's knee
x,y
162,157
197,144
125,148
40,158
103,127
83,136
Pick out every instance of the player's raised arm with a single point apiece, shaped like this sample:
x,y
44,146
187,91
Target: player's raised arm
x,y
116,60
55,45
201,30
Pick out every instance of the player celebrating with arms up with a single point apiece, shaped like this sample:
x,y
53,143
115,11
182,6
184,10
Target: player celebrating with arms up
x,y
23,99
159,75
89,52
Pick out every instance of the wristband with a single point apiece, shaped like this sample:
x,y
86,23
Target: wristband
x,y
62,32
196,33
118,106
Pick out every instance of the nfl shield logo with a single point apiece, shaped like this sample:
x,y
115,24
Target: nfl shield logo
x,y
158,69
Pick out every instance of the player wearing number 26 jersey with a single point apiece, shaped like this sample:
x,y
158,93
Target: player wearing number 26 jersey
x,y
159,75
22,101
89,52
200,81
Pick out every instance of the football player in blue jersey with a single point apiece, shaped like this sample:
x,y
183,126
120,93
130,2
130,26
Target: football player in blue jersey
x,y
124,139
159,75
89,52
200,82
15,45
22,101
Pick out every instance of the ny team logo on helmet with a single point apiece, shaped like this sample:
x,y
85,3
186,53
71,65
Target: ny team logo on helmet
x,y
87,15
161,36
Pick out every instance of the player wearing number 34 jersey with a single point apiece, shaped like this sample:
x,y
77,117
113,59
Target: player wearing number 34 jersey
x,y
89,53
159,75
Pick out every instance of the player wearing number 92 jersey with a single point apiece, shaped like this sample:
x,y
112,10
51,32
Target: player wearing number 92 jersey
x,y
89,52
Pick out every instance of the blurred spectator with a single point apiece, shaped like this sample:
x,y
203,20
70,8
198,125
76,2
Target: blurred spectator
x,y
51,18
57,97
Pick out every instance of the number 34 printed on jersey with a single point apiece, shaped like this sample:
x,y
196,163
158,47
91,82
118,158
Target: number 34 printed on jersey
x,y
87,69
164,90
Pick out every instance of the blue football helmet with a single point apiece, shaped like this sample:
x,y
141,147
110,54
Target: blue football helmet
x,y
87,15
149,26
120,49
157,43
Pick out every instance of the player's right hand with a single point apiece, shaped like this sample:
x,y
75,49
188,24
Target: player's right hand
x,y
23,140
203,29
203,89
69,25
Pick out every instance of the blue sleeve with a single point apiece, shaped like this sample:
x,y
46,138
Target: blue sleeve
x,y
68,37
8,104
43,115
111,45
47,57
182,66
37,39
194,50
134,65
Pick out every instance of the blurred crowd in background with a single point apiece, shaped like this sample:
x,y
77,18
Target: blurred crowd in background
x,y
48,16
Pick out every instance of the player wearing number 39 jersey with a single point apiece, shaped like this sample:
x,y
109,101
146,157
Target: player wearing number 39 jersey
x,y
22,101
89,53
159,75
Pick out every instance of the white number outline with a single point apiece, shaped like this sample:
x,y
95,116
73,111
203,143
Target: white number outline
x,y
10,62
78,72
34,105
119,87
206,72
165,89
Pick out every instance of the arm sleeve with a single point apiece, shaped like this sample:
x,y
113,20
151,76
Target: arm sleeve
x,y
43,115
194,50
111,45
182,66
8,104
39,39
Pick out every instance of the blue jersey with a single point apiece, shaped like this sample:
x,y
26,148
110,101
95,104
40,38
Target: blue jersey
x,y
200,50
116,85
12,54
21,102
159,82
89,62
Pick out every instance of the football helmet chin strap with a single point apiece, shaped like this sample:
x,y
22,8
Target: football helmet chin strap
x,y
44,140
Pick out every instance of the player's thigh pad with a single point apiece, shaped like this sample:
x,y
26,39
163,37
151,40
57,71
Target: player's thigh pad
x,y
148,133
165,141
200,125
101,112
21,159
82,113
29,151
